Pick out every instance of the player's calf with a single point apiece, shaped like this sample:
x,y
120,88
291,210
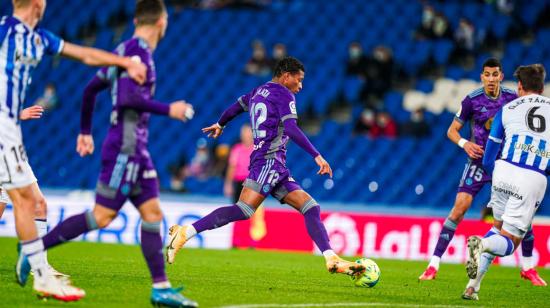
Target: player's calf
x,y
179,235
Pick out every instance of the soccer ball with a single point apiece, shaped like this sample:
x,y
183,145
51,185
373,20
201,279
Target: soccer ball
x,y
371,276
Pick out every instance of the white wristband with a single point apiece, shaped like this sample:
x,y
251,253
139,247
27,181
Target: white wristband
x,y
219,126
462,142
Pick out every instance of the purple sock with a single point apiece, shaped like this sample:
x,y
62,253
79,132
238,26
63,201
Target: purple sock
x,y
314,225
69,229
527,244
151,247
445,237
224,215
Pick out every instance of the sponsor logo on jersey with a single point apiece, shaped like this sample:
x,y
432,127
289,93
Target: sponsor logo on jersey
x,y
530,148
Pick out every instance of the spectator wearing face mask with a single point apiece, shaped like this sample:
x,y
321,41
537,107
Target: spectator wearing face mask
x,y
279,52
417,125
425,31
259,64
357,61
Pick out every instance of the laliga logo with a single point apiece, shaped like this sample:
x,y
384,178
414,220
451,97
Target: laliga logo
x,y
343,234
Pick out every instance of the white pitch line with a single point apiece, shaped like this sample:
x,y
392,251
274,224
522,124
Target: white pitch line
x,y
339,305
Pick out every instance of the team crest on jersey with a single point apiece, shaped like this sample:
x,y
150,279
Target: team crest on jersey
x,y
265,188
489,123
469,181
292,106
125,189
37,40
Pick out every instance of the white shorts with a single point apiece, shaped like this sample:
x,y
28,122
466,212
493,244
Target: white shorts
x,y
15,171
516,194
4,198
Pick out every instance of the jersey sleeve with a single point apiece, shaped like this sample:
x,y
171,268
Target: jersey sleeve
x,y
497,129
286,107
464,114
493,143
244,100
53,44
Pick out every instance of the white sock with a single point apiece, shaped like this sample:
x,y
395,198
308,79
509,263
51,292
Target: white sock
x,y
190,232
527,263
35,253
42,228
329,254
434,261
485,262
162,285
498,245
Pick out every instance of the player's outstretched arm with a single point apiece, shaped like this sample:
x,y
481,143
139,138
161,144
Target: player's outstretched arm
x,y
130,95
33,112
96,57
216,129
473,150
296,134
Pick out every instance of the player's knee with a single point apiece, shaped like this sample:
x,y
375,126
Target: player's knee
x,y
153,215
103,219
248,210
308,205
41,207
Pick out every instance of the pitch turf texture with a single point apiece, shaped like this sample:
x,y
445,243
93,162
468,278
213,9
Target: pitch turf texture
x,y
116,276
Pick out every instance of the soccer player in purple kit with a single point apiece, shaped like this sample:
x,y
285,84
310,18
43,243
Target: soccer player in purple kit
x,y
479,107
273,117
127,170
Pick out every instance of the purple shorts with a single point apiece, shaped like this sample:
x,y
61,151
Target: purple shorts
x,y
473,179
270,177
129,177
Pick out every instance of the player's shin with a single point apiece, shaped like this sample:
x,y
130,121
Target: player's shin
x,y
445,237
151,247
527,246
70,229
315,227
42,228
485,262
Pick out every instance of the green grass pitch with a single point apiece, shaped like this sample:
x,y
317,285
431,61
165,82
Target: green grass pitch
x,y
116,276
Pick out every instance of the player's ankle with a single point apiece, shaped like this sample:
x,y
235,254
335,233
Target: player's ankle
x,y
190,231
329,254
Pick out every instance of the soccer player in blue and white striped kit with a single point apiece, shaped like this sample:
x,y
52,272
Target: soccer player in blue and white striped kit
x,y
519,176
23,44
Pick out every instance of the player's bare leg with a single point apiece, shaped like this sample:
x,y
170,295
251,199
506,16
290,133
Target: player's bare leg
x,y
249,201
462,204
2,208
45,284
305,204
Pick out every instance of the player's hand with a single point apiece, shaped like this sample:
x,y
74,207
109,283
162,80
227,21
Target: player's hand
x,y
214,130
136,70
33,112
181,110
324,167
473,150
84,145
228,189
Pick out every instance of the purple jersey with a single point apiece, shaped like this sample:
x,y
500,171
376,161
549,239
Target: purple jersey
x,y
129,132
269,106
479,109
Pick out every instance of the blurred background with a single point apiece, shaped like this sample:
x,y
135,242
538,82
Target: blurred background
x,y
383,81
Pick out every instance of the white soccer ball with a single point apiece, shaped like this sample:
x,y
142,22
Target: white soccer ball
x,y
370,277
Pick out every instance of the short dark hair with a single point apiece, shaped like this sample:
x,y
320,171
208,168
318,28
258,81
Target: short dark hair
x,y
288,65
492,62
20,3
148,12
531,77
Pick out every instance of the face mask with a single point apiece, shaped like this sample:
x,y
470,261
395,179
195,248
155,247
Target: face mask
x,y
354,53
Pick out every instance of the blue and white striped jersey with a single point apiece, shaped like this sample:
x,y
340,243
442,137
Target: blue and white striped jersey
x,y
524,125
21,50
